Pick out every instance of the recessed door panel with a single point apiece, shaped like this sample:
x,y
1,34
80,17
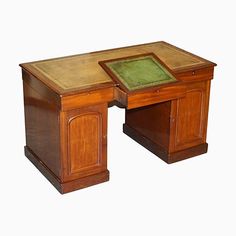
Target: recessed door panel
x,y
190,117
85,140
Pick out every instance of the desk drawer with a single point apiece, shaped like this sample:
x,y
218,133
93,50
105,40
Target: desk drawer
x,y
151,96
84,99
196,75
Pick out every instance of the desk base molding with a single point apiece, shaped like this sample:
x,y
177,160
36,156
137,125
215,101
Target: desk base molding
x,y
66,187
160,151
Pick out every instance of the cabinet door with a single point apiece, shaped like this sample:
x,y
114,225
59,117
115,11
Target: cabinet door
x,y
189,117
84,135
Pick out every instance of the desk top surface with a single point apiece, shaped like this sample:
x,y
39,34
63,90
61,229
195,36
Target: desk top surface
x,y
81,72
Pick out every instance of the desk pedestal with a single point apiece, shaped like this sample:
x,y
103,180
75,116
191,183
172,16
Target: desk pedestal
x,y
173,130
69,146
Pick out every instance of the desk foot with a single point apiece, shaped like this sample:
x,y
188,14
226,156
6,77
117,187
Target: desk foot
x,y
66,186
160,151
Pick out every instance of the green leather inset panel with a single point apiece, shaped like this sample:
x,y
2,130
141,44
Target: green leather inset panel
x,y
140,72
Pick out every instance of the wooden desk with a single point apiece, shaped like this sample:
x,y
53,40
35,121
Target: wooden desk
x,y
66,101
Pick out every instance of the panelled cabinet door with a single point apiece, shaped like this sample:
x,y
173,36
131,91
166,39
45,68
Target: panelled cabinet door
x,y
189,117
84,134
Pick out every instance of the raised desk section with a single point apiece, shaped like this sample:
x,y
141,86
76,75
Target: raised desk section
x,y
66,101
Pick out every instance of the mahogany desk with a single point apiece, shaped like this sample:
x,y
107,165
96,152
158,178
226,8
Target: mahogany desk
x,y
66,101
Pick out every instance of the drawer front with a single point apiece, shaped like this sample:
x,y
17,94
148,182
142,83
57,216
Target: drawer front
x,y
87,99
196,75
155,96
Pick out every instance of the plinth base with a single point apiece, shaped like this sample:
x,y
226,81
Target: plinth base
x,y
160,151
65,187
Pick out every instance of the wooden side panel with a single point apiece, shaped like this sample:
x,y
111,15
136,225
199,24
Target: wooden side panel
x,y
41,88
84,141
190,117
152,121
120,96
42,128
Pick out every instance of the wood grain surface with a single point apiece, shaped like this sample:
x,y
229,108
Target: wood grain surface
x,y
75,73
66,104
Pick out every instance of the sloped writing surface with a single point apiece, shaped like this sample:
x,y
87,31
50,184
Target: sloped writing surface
x,y
138,72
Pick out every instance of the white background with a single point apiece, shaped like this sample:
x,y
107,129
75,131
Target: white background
x,y
144,196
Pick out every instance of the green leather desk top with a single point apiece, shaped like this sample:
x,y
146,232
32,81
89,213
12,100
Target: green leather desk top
x,y
80,72
139,72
